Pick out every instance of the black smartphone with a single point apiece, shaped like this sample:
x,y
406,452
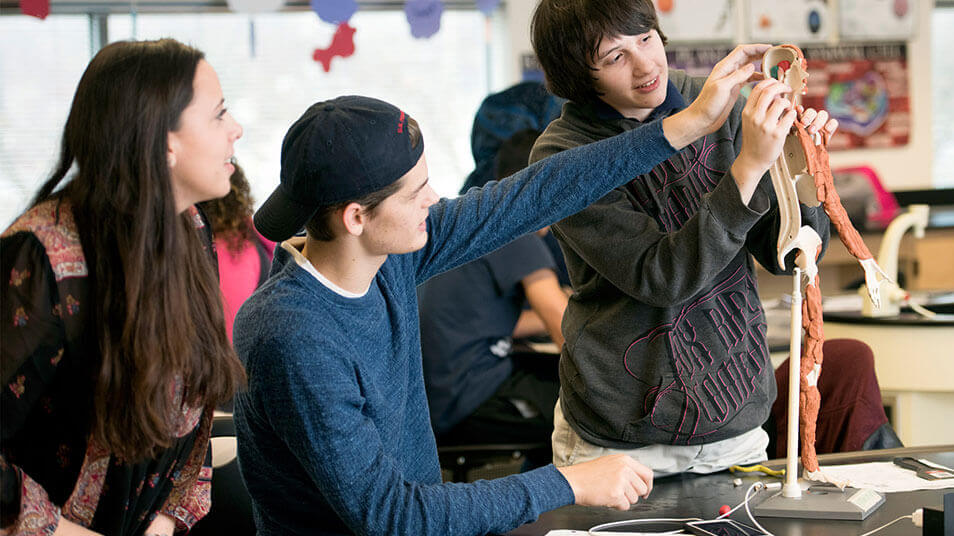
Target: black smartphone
x,y
722,527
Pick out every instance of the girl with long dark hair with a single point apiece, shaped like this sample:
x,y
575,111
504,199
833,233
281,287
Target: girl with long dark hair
x,y
114,347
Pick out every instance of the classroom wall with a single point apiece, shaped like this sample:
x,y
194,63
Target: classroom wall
x,y
908,167
901,168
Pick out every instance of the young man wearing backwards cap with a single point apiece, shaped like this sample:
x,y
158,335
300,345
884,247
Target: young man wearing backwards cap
x,y
333,431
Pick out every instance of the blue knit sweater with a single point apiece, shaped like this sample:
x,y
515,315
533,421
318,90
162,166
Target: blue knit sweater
x,y
333,432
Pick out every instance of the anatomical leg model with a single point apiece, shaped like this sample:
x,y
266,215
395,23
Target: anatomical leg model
x,y
802,175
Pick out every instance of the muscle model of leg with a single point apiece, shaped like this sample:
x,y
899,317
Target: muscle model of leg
x,y
811,364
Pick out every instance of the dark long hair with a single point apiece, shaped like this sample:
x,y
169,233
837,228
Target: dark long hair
x,y
160,316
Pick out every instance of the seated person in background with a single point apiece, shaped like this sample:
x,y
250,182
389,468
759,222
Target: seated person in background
x,y
852,414
524,106
665,357
333,433
244,255
478,390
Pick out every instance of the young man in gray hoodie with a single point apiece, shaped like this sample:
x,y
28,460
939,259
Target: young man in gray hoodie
x,y
665,357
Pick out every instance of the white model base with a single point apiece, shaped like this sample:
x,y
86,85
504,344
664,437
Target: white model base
x,y
822,502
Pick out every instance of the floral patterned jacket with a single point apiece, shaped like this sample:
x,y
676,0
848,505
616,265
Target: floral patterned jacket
x,y
50,467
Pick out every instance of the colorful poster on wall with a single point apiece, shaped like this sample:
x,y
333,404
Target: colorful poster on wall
x,y
865,87
877,19
788,21
696,20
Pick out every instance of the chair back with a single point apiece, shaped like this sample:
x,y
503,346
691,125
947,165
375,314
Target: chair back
x,y
466,463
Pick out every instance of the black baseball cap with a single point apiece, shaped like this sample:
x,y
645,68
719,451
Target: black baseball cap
x,y
338,150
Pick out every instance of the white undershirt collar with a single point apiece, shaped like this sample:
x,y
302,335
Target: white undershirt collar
x,y
303,261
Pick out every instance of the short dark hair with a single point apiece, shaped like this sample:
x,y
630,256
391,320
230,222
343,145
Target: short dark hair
x,y
319,226
566,36
514,153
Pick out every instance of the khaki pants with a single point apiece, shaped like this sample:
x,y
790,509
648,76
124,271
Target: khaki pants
x,y
569,448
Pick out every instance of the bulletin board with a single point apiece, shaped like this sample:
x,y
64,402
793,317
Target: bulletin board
x,y
697,20
864,86
877,19
788,21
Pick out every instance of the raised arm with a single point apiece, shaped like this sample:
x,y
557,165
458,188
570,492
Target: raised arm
x,y
549,190
486,218
648,258
712,106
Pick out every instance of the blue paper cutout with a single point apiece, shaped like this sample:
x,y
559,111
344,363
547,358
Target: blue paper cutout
x,y
487,6
334,11
424,16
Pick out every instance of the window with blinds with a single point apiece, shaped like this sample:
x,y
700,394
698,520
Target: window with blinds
x,y
269,78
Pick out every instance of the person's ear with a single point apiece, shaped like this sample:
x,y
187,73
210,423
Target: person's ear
x,y
172,150
354,218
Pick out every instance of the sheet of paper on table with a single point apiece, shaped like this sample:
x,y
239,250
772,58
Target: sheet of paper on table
x,y
885,477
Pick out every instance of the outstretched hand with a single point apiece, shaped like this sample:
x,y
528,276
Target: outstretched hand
x,y
719,94
617,481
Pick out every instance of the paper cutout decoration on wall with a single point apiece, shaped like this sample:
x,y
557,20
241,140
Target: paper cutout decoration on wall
x,y
35,8
342,45
424,16
794,21
487,6
254,6
334,11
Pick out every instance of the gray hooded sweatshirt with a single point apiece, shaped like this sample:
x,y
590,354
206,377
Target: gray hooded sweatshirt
x,y
665,332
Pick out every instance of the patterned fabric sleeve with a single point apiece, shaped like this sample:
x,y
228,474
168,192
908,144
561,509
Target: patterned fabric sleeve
x,y
191,495
36,515
33,336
